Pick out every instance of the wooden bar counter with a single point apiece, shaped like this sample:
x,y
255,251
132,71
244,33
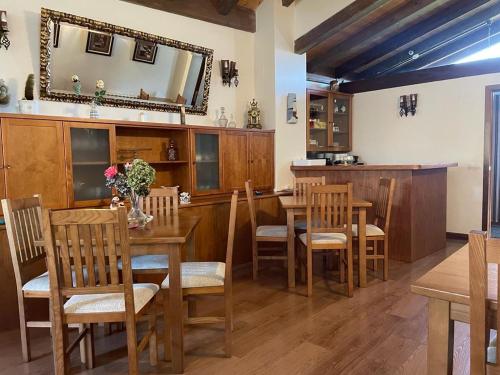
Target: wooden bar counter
x,y
418,221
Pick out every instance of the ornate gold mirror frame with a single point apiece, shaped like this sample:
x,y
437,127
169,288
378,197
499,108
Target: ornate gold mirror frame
x,y
51,17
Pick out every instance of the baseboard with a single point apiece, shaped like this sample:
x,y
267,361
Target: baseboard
x,y
457,236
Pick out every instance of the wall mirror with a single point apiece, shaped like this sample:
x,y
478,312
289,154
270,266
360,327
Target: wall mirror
x,y
139,70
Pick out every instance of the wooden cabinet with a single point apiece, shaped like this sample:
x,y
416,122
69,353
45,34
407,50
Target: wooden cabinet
x,y
89,151
262,160
33,160
206,159
329,121
235,160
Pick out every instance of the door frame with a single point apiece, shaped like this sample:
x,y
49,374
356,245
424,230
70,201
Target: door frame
x,y
489,121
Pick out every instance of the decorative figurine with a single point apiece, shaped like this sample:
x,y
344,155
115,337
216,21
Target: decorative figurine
x,y
172,151
115,203
254,116
185,198
4,92
77,85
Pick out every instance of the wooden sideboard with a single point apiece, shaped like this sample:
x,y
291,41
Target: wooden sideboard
x,y
64,158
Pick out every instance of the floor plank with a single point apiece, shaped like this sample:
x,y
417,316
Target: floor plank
x,y
382,330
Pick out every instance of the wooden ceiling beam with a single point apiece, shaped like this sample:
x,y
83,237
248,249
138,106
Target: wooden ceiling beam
x,y
339,21
439,73
405,38
239,18
287,3
452,48
407,13
224,7
401,58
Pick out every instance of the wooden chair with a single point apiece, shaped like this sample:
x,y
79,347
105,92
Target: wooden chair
x,y
379,230
160,202
300,190
263,233
483,313
24,226
97,239
208,278
329,227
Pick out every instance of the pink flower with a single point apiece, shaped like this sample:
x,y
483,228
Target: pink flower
x,y
111,171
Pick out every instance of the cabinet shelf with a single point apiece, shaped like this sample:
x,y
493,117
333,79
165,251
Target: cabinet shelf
x,y
85,163
168,162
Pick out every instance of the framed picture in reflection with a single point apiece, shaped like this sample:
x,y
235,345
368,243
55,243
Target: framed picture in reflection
x,y
145,51
99,43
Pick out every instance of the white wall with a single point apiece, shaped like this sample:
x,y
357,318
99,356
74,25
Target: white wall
x,y
448,127
310,13
22,57
274,48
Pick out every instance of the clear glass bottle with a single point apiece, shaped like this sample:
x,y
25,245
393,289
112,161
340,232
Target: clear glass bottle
x,y
222,119
232,123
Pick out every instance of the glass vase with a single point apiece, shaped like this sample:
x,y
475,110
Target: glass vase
x,y
136,218
94,110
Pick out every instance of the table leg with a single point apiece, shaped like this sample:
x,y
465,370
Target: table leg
x,y
176,318
290,221
440,338
362,246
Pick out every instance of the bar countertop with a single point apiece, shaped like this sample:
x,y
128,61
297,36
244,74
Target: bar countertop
x,y
373,167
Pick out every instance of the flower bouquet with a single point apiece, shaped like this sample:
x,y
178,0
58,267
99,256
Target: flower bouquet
x,y
134,183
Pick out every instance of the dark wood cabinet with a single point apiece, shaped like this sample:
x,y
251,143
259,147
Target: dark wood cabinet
x,y
262,160
329,121
206,151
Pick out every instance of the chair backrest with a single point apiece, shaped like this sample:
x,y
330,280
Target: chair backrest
x,y
251,206
329,209
300,184
230,236
161,201
383,204
24,226
93,239
482,250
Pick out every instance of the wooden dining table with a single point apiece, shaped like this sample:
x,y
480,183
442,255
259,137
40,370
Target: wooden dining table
x,y
296,206
447,287
167,235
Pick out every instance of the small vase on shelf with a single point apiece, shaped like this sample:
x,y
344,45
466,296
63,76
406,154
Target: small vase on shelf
x,y
172,151
222,119
232,123
94,110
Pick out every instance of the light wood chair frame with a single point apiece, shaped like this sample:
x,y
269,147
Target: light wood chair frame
x,y
23,222
383,209
162,201
258,239
76,246
484,314
300,184
329,210
226,291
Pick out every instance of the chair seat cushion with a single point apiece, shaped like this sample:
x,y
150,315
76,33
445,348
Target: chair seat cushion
x,y
110,302
41,282
200,274
147,262
491,354
371,230
272,231
325,238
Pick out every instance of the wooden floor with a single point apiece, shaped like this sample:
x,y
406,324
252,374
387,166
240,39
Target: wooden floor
x,y
382,330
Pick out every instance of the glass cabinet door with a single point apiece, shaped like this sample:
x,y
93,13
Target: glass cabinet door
x,y
318,120
341,122
90,156
206,158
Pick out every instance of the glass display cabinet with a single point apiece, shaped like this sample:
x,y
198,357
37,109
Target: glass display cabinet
x,y
89,153
329,121
206,157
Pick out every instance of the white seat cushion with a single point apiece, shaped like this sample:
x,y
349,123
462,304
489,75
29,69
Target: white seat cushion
x,y
272,231
147,262
371,230
110,302
325,238
41,282
491,354
200,274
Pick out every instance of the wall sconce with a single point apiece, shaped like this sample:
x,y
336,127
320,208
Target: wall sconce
x,y
408,104
4,29
229,72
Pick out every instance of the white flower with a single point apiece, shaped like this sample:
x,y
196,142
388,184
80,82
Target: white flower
x,y
99,84
75,78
